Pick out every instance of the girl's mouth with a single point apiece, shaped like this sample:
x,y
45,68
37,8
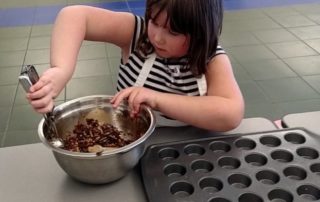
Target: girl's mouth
x,y
159,49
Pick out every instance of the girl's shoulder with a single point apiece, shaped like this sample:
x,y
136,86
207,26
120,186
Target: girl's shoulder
x,y
138,31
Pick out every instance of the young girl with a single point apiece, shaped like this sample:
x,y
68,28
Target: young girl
x,y
170,61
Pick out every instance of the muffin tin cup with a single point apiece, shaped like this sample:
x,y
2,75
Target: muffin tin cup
x,y
282,165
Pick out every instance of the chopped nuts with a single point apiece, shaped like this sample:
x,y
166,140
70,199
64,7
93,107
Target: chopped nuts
x,y
91,135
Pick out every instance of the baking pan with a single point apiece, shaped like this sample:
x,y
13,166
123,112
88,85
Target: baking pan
x,y
277,166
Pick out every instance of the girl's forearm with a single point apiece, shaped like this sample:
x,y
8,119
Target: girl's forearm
x,y
68,34
209,112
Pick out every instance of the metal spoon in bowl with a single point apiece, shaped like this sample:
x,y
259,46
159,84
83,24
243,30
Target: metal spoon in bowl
x,y
27,78
54,140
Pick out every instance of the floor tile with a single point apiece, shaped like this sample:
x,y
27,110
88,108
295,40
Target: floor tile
x,y
291,49
274,35
13,44
114,64
247,14
299,106
90,86
41,42
113,51
237,39
20,98
315,17
11,58
307,8
4,118
250,25
310,32
9,75
7,93
293,21
314,81
310,11
40,68
41,30
251,53
304,65
24,118
88,68
1,138
282,11
272,111
40,56
252,93
88,43
15,32
114,79
240,73
92,52
288,89
268,69
314,43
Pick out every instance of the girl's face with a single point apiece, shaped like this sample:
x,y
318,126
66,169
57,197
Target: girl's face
x,y
166,43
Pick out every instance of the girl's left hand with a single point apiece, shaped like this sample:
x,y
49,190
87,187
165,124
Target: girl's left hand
x,y
136,96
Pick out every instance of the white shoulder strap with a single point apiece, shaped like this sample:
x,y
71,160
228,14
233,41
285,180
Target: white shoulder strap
x,y
202,85
145,70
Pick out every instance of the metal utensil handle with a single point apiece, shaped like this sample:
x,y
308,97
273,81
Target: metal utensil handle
x,y
28,77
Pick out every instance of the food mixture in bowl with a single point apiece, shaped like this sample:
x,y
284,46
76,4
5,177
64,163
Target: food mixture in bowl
x,y
93,136
92,122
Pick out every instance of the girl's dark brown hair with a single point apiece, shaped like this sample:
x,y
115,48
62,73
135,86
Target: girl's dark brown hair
x,y
201,19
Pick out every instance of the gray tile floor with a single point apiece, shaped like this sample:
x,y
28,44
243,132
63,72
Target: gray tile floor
x,y
275,54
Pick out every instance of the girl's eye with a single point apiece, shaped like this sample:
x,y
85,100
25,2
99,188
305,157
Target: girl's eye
x,y
154,22
173,33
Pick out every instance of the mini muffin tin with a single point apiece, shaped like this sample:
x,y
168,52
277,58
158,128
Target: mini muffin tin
x,y
277,166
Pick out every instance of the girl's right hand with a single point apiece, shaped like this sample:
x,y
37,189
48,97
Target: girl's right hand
x,y
42,94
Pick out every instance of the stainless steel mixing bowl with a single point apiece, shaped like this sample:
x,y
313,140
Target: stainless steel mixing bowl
x,y
109,165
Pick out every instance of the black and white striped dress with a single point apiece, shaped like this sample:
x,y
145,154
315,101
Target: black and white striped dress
x,y
165,75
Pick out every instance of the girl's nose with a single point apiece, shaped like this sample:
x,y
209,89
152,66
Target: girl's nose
x,y
159,38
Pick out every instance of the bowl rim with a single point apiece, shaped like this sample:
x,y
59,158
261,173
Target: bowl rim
x,y
103,154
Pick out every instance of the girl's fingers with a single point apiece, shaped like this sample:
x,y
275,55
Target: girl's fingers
x,y
43,105
44,91
37,86
40,103
120,96
133,98
137,102
114,98
45,109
